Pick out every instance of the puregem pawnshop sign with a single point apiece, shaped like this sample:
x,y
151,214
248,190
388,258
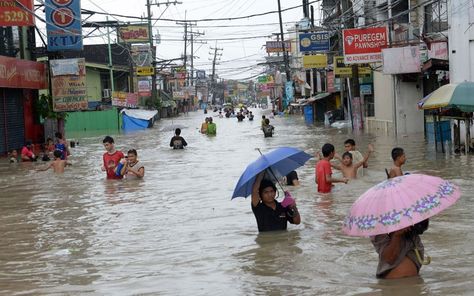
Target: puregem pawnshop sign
x,y
364,45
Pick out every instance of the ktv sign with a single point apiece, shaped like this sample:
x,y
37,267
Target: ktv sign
x,y
63,24
363,46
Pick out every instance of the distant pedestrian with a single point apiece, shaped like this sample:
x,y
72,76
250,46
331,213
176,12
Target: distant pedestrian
x,y
204,126
292,179
61,145
250,116
14,156
27,153
211,128
178,142
240,117
263,122
57,164
111,158
268,129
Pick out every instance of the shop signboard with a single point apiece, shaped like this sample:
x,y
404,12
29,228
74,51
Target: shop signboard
x,y
134,34
15,73
70,91
63,24
342,70
144,87
364,45
124,99
318,61
276,46
317,41
439,51
141,54
366,89
145,71
16,13
400,60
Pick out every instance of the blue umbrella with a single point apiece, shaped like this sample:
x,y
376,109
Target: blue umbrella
x,y
280,162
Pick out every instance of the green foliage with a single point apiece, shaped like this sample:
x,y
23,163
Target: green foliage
x,y
43,108
151,103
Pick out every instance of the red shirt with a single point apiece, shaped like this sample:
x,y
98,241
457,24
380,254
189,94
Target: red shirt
x,y
110,163
26,152
323,168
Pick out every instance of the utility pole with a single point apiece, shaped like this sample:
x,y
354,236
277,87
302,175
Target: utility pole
x,y
150,40
355,102
216,54
285,53
111,71
193,34
185,58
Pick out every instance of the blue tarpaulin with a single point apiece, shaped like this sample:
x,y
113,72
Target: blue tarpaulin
x,y
133,120
133,124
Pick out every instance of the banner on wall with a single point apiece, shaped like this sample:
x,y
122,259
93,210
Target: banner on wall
x,y
69,91
15,73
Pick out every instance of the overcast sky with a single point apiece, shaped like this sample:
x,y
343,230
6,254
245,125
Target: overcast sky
x,y
239,57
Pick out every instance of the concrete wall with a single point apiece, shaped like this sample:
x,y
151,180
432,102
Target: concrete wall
x,y
461,40
409,118
383,96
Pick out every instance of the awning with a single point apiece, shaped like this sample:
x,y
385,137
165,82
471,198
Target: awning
x,y
435,64
316,98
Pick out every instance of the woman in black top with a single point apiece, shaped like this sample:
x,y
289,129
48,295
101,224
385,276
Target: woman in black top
x,y
270,214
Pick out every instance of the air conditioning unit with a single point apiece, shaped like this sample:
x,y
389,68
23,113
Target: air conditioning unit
x,y
106,93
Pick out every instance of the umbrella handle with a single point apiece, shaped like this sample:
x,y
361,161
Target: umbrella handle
x,y
271,172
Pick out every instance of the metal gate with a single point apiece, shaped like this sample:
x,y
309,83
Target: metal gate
x,y
12,123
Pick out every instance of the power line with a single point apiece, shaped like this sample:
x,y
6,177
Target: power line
x,y
202,20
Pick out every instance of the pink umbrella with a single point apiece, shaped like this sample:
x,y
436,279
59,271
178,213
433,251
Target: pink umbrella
x,y
398,203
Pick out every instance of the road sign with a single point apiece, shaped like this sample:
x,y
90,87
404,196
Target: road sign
x,y
145,71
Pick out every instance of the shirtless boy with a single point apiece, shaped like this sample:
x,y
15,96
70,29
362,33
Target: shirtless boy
x,y
399,159
348,168
57,164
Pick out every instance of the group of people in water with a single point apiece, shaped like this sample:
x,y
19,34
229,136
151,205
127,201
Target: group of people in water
x,y
401,253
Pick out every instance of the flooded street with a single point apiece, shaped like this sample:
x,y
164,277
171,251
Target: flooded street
x,y
177,232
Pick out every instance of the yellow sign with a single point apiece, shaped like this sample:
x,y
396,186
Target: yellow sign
x,y
145,71
315,61
340,69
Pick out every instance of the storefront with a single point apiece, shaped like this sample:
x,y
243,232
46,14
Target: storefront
x,y
20,81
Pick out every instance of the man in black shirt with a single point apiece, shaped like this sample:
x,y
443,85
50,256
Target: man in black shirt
x,y
178,142
270,214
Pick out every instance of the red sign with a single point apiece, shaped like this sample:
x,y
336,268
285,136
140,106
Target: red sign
x,y
364,45
15,73
62,17
16,13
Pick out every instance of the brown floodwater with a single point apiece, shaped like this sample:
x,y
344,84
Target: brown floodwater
x,y
177,232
